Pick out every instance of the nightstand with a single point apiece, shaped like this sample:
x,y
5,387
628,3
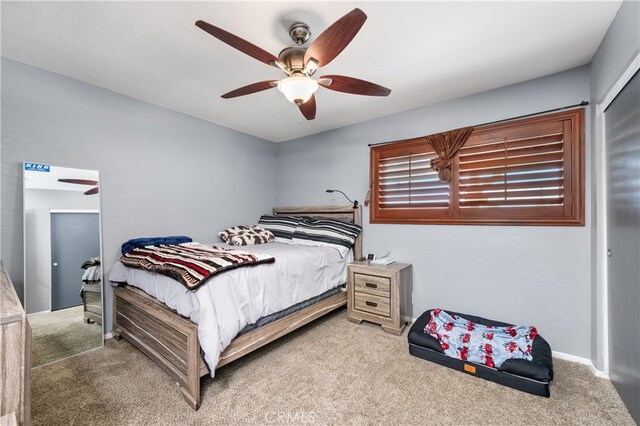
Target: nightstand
x,y
380,294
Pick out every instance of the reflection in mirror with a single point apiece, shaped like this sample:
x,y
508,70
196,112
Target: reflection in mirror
x,y
63,272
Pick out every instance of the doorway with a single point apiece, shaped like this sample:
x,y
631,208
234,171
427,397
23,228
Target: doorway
x,y
75,237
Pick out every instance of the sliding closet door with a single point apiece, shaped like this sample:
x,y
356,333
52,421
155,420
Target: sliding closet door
x,y
622,144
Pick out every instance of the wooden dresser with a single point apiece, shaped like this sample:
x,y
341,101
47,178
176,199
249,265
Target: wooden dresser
x,y
15,356
380,294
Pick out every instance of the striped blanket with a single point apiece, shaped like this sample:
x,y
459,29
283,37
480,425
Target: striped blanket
x,y
191,264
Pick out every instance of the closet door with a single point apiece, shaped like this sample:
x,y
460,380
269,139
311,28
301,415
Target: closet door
x,y
622,144
75,237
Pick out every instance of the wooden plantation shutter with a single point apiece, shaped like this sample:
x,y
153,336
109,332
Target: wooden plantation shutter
x,y
527,172
524,171
406,186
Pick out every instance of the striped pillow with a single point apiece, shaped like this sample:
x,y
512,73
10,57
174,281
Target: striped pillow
x,y
327,232
282,227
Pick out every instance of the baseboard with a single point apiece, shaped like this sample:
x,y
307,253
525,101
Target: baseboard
x,y
580,360
48,311
599,373
572,358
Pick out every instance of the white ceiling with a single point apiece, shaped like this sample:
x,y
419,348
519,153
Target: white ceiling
x,y
426,52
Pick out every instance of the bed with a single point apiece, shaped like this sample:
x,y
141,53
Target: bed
x,y
169,334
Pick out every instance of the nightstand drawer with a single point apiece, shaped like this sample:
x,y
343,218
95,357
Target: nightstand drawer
x,y
379,286
373,304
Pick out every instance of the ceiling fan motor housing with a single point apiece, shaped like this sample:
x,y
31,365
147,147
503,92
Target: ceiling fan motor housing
x,y
293,58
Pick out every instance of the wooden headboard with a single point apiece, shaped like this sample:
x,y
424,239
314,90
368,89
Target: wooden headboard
x,y
334,212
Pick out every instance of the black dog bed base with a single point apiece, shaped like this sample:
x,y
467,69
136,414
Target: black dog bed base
x,y
528,376
482,371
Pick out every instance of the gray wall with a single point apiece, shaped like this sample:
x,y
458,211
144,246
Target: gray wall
x,y
37,237
527,275
619,47
161,172
153,160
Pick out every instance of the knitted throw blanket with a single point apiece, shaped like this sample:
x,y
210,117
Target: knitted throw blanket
x,y
191,264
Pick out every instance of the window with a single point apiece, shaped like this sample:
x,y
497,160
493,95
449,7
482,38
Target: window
x,y
527,172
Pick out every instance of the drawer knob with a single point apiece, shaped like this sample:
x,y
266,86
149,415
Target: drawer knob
x,y
371,285
374,304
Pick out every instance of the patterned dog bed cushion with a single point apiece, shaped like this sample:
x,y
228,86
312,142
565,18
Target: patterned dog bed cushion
x,y
539,368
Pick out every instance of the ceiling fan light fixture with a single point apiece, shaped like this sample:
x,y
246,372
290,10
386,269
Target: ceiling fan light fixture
x,y
298,88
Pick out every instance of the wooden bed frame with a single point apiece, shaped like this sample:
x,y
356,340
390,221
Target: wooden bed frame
x,y
171,340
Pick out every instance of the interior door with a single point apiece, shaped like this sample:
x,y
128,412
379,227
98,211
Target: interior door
x,y
622,144
75,237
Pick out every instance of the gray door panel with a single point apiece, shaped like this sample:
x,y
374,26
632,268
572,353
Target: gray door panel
x,y
622,127
75,237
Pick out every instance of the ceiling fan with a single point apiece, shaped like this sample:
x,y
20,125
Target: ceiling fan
x,y
300,63
91,191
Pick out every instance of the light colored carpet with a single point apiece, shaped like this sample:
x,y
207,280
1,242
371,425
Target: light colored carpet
x,y
60,334
330,372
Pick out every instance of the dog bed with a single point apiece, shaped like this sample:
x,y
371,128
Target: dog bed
x,y
529,376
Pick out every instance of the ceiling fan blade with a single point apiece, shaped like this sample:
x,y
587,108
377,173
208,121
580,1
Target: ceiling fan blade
x,y
251,88
308,109
239,43
92,191
79,181
341,83
334,39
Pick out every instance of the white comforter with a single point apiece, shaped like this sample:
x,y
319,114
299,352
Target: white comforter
x,y
228,302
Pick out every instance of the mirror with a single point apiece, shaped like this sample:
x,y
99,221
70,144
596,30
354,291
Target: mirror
x,y
62,261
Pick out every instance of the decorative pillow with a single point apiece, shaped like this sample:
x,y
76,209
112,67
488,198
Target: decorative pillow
x,y
327,232
230,232
245,235
282,227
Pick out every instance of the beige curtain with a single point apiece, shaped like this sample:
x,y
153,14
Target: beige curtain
x,y
446,146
